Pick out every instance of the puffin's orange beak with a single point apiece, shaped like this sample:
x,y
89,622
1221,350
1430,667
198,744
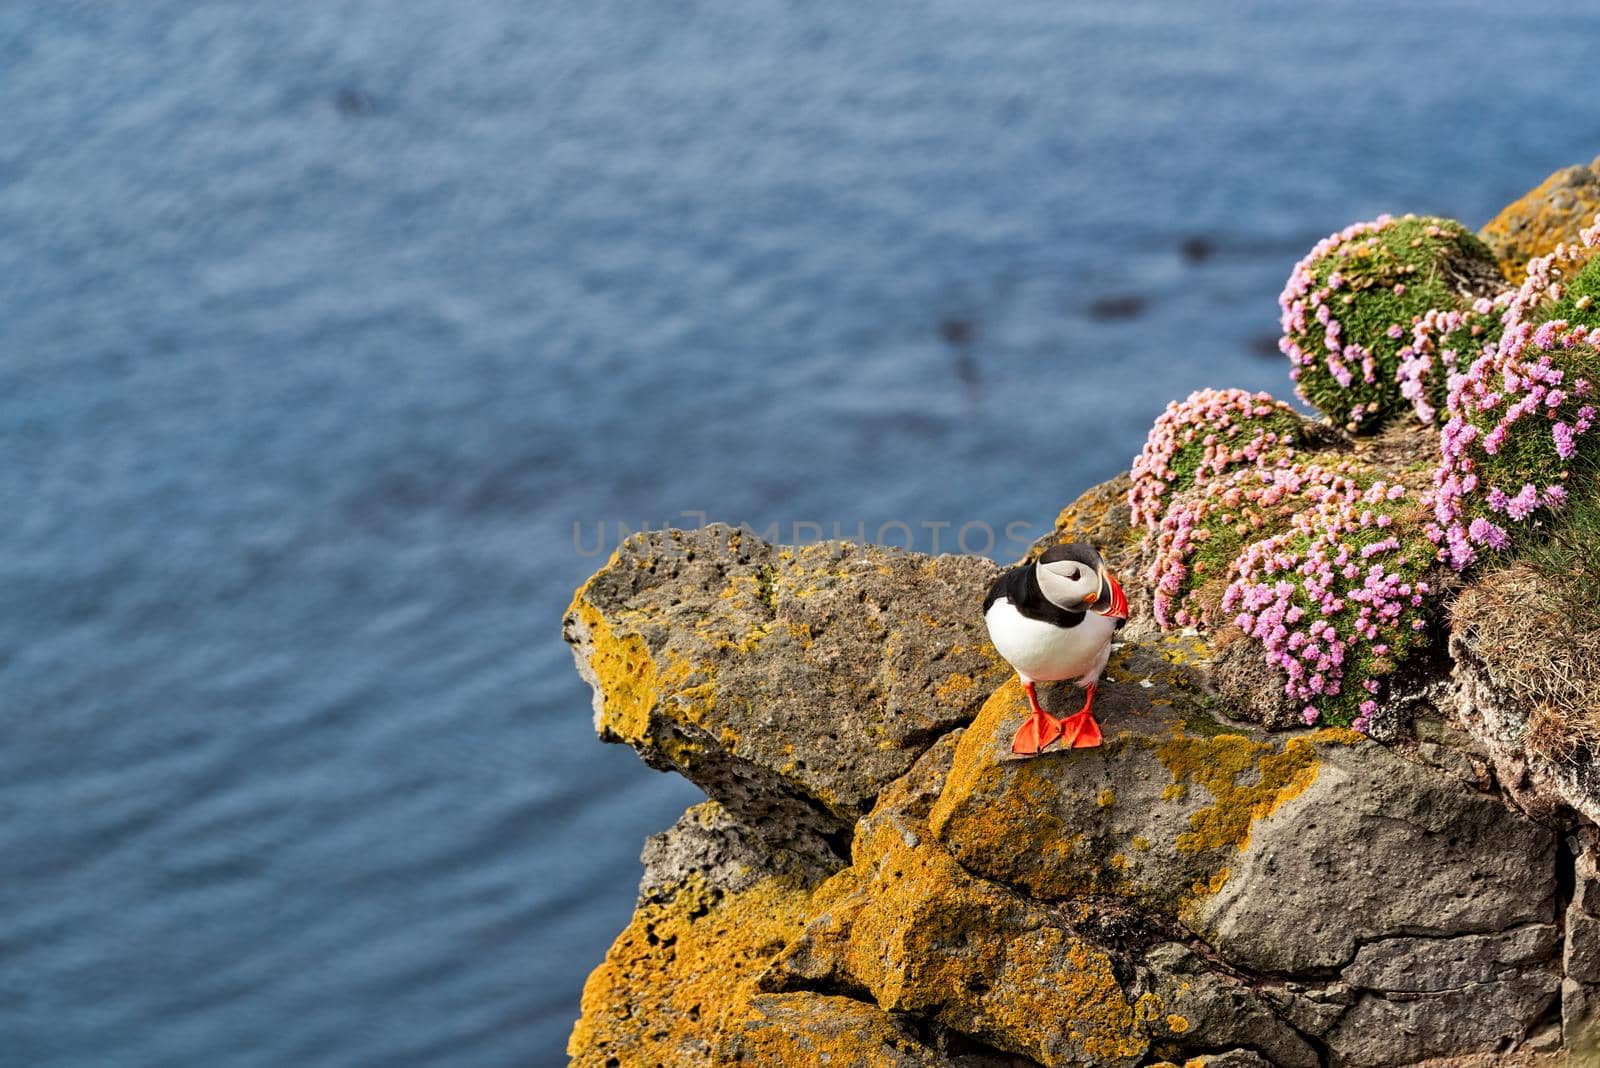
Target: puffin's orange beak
x,y
1117,601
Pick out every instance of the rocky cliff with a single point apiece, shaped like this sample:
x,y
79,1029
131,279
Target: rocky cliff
x,y
1393,865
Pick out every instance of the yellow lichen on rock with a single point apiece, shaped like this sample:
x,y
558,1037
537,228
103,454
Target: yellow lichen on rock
x,y
806,1028
924,936
695,642
1217,763
678,968
1154,815
1551,213
955,687
628,681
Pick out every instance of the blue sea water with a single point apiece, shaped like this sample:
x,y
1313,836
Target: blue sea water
x,y
325,323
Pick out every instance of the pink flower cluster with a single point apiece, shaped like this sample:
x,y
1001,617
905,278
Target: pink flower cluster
x,y
1202,437
1319,560
1304,300
1437,341
1231,512
1336,601
1516,418
1352,371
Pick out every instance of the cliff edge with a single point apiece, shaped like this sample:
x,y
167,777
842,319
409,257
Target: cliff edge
x,y
1344,812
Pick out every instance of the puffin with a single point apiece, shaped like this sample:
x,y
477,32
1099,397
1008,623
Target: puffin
x,y
1054,619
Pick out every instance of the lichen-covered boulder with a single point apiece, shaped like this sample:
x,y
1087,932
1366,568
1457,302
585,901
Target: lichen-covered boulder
x,y
1155,816
1283,851
1377,847
790,683
704,930
1544,217
924,936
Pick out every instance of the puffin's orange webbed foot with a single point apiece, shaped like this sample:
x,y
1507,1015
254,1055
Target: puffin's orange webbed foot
x,y
1038,730
1080,731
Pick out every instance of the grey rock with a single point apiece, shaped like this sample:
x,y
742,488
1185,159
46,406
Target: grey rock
x,y
1580,1014
1586,891
1310,1009
1213,1011
1376,847
1401,1029
790,683
1419,965
707,841
1582,958
1234,1058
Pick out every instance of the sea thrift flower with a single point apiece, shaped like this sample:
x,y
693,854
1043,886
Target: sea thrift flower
x,y
1366,288
1516,421
1439,342
1201,438
1301,558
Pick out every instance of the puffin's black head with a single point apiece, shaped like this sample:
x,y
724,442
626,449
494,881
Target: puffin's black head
x,y
1072,576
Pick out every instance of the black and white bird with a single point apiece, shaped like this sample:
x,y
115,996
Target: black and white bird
x,y
1054,620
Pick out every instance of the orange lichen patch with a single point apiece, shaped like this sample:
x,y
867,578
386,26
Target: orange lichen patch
x,y
1551,213
804,1028
954,688
1063,825
1219,763
974,766
629,682
678,968
1177,1024
1017,829
924,936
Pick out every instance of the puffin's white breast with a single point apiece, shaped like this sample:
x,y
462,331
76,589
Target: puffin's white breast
x,y
1043,652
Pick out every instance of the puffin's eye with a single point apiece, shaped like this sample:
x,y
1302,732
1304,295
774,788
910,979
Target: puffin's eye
x,y
1072,576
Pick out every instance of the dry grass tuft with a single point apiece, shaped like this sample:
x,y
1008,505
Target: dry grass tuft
x,y
1541,653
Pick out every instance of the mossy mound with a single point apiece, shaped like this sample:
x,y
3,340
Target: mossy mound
x,y
1350,305
1203,437
1520,439
1321,559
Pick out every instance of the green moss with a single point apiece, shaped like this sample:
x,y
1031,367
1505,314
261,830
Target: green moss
x,y
1388,277
1203,724
1283,422
1568,557
1580,298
